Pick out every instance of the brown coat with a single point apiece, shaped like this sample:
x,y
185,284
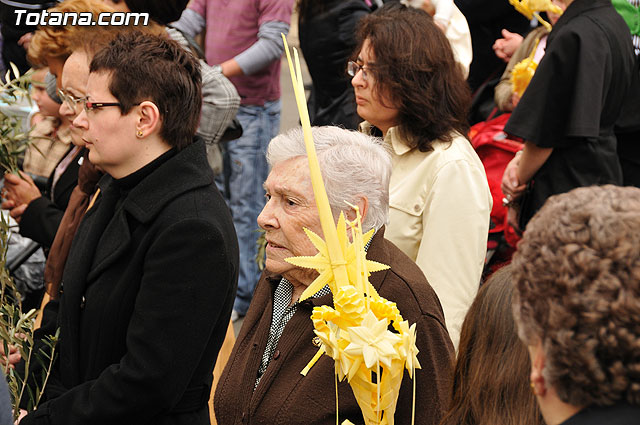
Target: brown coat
x,y
284,396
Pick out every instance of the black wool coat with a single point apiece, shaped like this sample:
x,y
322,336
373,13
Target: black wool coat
x,y
327,41
41,219
143,318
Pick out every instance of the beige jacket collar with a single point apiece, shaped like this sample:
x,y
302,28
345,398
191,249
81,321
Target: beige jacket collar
x,y
392,137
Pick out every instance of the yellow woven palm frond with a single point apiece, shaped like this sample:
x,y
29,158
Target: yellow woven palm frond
x,y
355,332
531,8
523,72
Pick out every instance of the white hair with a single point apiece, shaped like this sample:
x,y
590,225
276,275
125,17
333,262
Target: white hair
x,y
353,166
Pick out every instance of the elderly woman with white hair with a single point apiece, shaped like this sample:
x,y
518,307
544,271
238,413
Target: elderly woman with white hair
x,y
262,381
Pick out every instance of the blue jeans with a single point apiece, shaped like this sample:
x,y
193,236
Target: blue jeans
x,y
249,170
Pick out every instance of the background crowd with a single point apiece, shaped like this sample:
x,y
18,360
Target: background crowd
x,y
157,157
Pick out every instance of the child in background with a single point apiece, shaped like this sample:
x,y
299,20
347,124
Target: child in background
x,y
50,132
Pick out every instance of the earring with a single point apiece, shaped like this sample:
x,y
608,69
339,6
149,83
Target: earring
x,y
538,389
139,134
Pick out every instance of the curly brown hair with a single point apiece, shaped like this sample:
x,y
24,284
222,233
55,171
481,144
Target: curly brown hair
x,y
491,377
577,275
415,67
52,42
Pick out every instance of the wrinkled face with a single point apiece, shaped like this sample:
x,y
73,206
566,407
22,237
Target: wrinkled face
x,y
109,135
46,105
73,83
373,106
290,207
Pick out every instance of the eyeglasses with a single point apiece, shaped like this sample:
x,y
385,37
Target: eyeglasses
x,y
71,101
353,68
90,106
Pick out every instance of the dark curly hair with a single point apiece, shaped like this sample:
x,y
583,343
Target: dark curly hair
x,y
491,377
416,69
577,275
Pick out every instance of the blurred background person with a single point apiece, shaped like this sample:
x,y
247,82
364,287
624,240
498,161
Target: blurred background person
x,y
17,36
567,115
506,99
454,25
491,376
577,305
243,39
39,214
327,31
50,133
490,20
413,94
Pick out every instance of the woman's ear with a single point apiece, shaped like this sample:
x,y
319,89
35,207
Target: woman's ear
x,y
363,207
149,120
538,359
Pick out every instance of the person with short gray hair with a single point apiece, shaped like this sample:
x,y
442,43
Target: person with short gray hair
x,y
353,166
277,337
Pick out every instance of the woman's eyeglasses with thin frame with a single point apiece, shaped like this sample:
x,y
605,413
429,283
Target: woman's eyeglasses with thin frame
x,y
354,67
70,100
90,106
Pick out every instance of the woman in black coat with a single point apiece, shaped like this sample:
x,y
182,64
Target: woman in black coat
x,y
568,113
149,285
39,214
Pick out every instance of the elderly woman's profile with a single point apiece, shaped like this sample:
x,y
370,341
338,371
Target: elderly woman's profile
x,y
577,305
262,381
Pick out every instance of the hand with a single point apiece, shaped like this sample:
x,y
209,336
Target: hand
x,y
511,187
13,358
506,46
20,190
23,413
16,212
515,99
25,40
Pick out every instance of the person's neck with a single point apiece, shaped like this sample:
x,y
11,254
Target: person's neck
x,y
296,293
154,149
554,410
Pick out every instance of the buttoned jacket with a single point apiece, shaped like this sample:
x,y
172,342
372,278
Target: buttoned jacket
x,y
439,207
142,318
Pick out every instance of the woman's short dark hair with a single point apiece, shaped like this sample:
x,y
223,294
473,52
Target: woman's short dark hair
x,y
416,69
148,67
577,276
491,377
